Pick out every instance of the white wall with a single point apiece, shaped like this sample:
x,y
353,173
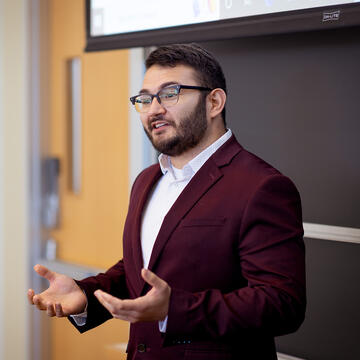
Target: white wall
x,y
14,193
1,182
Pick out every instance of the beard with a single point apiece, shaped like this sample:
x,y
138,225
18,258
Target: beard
x,y
189,131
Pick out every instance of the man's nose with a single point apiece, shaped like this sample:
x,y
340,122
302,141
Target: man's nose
x,y
156,107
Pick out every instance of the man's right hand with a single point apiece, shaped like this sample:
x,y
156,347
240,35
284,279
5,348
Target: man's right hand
x,y
63,296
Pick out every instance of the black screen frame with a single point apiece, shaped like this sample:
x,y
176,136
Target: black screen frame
x,y
268,24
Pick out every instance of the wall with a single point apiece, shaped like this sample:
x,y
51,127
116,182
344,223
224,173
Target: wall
x,y
293,100
13,179
1,179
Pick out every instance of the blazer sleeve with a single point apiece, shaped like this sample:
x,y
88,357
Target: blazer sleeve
x,y
272,259
113,282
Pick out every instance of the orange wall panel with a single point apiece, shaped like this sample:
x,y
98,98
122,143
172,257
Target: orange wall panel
x,y
107,342
91,223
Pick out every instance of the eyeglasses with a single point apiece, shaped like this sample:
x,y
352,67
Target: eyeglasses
x,y
167,97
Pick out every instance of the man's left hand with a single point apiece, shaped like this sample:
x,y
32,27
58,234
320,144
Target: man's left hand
x,y
153,306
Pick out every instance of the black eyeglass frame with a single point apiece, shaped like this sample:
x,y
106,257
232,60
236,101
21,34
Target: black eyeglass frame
x,y
178,87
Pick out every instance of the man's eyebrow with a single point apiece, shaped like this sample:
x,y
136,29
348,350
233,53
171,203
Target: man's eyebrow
x,y
163,85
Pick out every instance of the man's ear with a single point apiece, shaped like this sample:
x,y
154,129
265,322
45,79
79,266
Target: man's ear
x,y
216,102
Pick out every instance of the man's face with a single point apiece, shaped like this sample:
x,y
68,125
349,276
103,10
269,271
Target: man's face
x,y
183,125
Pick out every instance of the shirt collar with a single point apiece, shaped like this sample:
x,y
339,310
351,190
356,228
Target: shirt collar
x,y
198,161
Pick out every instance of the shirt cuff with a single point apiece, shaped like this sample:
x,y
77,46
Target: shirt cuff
x,y
80,319
163,325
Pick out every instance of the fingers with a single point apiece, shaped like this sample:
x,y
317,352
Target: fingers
x,y
106,301
56,310
37,301
30,296
50,310
59,311
44,272
118,307
150,307
115,305
110,302
152,279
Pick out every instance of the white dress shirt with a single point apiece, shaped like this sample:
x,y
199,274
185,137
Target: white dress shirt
x,y
163,196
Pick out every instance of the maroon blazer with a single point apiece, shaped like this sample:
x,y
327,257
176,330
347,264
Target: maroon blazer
x,y
231,248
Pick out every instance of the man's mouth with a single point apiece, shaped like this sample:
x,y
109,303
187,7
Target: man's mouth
x,y
159,124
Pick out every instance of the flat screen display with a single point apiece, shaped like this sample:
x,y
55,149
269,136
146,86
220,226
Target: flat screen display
x,y
110,17
140,22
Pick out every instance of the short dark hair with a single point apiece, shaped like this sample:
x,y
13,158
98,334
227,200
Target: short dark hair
x,y
207,68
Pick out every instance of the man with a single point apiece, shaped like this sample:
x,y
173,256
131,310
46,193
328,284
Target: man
x,y
213,264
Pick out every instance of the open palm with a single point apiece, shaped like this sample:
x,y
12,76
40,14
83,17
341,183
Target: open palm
x,y
63,296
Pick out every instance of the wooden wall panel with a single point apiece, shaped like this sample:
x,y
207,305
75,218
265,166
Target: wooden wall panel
x,y
91,223
106,342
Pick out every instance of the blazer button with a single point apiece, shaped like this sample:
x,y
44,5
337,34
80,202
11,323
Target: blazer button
x,y
141,348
